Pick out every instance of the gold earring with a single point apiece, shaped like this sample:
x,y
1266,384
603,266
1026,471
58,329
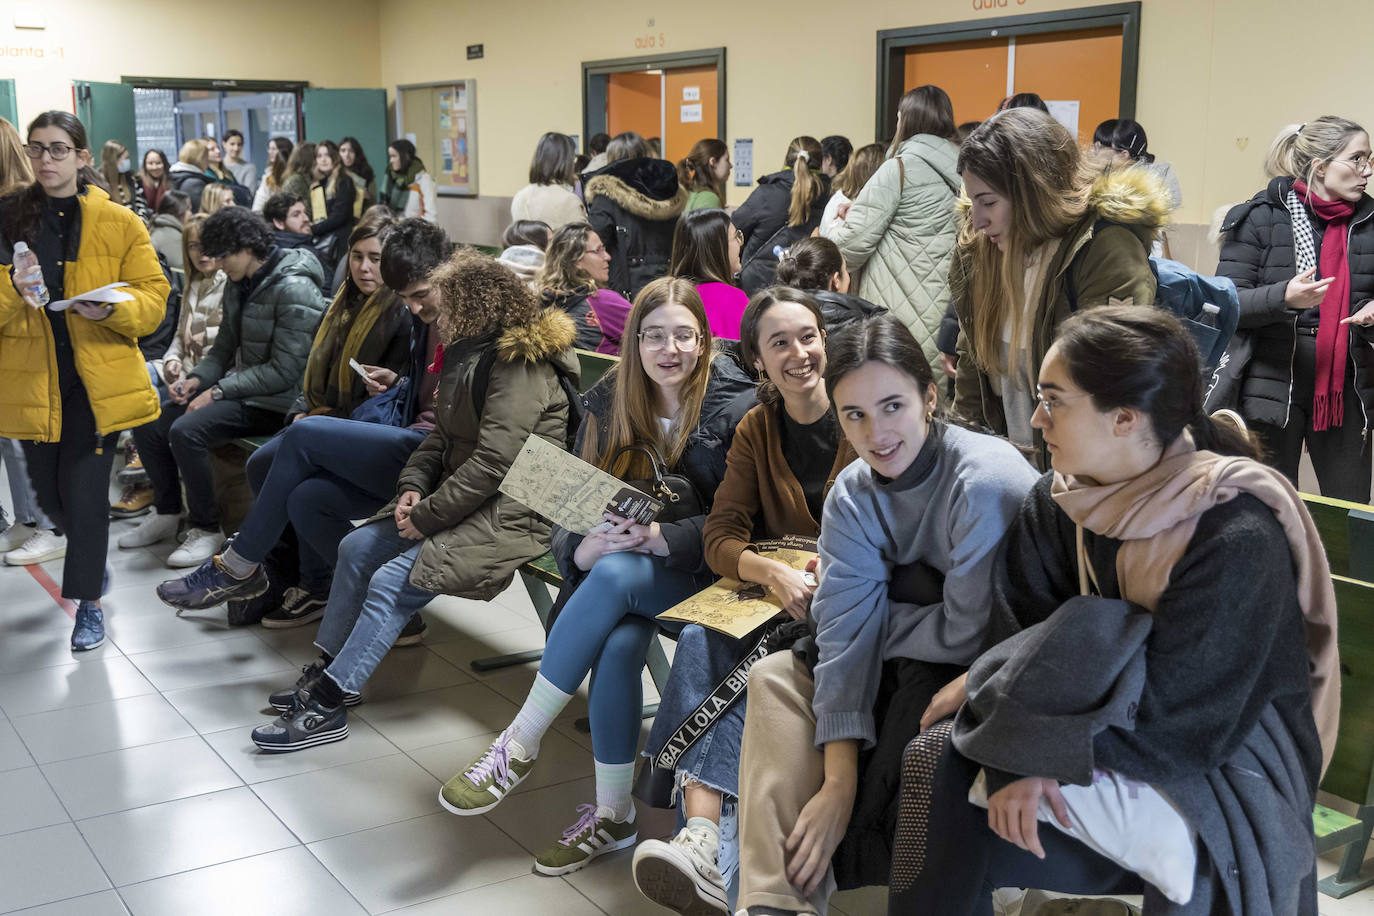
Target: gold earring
x,y
930,416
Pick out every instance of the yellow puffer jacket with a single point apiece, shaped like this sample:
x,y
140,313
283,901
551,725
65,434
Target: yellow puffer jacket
x,y
111,245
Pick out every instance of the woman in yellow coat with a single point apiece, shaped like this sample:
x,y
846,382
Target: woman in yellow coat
x,y
71,379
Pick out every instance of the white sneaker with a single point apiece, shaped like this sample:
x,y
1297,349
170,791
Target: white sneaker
x,y
199,545
155,527
682,874
14,536
41,547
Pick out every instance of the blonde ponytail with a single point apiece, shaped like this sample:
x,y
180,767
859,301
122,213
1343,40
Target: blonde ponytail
x,y
802,154
1300,148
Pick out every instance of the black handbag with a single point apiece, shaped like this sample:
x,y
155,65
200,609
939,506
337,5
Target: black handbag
x,y
680,499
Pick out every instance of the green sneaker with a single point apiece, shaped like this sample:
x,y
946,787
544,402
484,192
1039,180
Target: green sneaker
x,y
594,833
481,786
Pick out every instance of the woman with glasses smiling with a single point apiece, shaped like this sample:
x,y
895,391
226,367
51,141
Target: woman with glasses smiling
x,y
1302,254
669,395
73,378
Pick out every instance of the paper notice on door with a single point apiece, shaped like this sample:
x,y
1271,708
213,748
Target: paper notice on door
x,y
691,114
691,93
1066,113
110,293
744,163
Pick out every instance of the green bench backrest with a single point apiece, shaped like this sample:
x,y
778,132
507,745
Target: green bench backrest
x,y
1352,767
594,365
1347,533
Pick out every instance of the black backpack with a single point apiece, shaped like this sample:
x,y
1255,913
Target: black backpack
x,y
481,378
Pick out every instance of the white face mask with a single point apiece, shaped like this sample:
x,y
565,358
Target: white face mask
x,y
124,166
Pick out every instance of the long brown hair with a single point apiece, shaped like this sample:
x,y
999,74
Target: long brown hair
x,y
759,303
804,159
302,163
375,224
1029,159
924,110
634,408
15,172
694,171
190,235
560,274
25,216
121,192
701,246
861,167
331,184
276,172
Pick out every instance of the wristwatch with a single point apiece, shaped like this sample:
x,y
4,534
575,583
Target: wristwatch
x,y
216,393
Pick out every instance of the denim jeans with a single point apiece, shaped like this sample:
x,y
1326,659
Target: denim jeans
x,y
370,601
321,473
25,502
605,628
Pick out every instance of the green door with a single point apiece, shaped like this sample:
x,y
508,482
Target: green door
x,y
107,110
9,105
332,114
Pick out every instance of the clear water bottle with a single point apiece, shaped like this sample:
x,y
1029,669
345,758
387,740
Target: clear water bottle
x,y
24,262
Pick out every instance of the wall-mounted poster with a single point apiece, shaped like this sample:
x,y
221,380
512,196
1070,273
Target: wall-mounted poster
x,y
441,118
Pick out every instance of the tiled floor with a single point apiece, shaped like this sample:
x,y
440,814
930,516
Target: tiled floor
x,y
128,783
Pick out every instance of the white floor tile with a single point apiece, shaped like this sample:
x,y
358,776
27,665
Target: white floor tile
x,y
26,802
41,866
233,704
462,652
526,895
134,633
177,836
25,650
423,719
104,903
138,776
12,752
289,882
82,683
209,663
236,747
356,796
560,759
100,727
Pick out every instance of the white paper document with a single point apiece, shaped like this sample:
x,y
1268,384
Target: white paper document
x,y
109,293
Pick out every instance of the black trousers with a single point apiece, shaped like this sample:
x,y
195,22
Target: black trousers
x,y
1339,455
966,861
71,478
176,449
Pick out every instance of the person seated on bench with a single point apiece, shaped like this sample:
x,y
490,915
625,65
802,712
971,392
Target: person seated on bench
x,y
667,394
323,471
908,546
786,454
245,383
1201,568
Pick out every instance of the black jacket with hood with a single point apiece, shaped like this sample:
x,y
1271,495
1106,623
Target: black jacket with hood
x,y
763,221
633,204
1257,253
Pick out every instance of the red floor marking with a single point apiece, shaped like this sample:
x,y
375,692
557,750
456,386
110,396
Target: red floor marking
x,y
53,589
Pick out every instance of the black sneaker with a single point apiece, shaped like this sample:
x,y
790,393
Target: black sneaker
x,y
415,630
298,607
306,724
283,700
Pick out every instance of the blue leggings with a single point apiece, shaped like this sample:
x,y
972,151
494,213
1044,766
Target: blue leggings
x,y
605,628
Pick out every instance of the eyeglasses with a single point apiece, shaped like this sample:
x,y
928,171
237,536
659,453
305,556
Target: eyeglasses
x,y
686,341
1053,402
1358,163
58,151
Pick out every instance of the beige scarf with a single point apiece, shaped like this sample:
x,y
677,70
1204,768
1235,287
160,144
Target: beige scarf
x,y
1154,516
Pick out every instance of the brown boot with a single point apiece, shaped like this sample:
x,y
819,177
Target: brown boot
x,y
136,500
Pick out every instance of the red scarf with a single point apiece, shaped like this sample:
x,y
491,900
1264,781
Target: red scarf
x,y
1333,338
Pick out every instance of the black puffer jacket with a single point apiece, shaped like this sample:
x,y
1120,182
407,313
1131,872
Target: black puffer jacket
x,y
841,309
729,396
633,205
576,307
1257,253
190,181
763,221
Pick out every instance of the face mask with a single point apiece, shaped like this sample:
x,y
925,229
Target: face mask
x,y
123,166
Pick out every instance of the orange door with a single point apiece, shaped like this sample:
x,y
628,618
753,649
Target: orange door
x,y
1084,65
974,73
633,103
689,109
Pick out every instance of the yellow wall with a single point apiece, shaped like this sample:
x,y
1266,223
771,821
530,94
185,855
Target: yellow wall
x,y
334,45
1217,77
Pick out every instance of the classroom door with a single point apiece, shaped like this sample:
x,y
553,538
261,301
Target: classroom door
x,y
634,101
107,110
9,104
678,105
332,114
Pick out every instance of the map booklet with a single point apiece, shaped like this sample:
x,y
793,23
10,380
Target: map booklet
x,y
739,608
570,492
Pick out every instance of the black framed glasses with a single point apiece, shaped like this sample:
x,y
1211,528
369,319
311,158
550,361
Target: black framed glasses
x,y
57,151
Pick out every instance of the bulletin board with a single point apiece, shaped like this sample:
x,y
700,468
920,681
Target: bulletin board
x,y
441,120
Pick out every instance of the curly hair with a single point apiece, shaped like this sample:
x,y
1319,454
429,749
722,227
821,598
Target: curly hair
x,y
232,230
479,296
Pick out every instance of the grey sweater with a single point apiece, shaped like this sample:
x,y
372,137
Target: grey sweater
x,y
949,510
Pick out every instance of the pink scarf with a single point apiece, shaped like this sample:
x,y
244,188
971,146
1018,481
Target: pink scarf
x,y
1333,338
1154,516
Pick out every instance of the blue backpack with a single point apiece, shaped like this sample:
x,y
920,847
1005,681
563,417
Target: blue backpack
x,y
1208,306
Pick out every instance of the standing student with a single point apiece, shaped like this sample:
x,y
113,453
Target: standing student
x,y
1302,254
596,146
323,472
300,171
908,548
786,454
278,153
576,270
1185,588
214,162
901,229
243,171
409,189
117,172
668,394
1045,234
362,173
189,173
835,153
168,224
706,248
785,206
703,172
633,204
849,183
75,378
1125,141
332,194
153,177
549,197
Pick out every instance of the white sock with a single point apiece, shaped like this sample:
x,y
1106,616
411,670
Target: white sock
x,y
238,567
709,829
613,782
542,706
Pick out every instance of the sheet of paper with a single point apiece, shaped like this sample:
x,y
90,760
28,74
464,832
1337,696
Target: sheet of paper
x,y
1066,113
108,293
691,114
570,492
744,163
739,608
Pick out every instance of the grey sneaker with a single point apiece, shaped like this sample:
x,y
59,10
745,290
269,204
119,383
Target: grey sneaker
x,y
305,725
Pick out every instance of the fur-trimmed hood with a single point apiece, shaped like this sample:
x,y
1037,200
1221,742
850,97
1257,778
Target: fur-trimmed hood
x,y
1134,197
549,336
645,187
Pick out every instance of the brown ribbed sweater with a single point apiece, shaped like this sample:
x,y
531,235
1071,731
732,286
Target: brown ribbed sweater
x,y
759,486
